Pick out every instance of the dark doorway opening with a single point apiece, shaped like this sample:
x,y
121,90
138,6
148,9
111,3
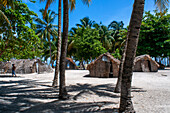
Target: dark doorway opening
x,y
149,65
111,70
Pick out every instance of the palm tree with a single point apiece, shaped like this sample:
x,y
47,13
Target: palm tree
x,y
62,87
106,38
7,3
71,50
85,22
117,29
46,51
72,6
45,28
55,81
5,18
116,25
126,104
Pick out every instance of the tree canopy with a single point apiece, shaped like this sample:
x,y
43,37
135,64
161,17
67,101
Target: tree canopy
x,y
154,34
20,41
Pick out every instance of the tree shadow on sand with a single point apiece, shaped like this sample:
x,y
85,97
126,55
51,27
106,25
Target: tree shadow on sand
x,y
72,107
28,96
18,95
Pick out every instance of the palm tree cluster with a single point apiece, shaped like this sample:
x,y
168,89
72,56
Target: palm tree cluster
x,y
47,32
111,37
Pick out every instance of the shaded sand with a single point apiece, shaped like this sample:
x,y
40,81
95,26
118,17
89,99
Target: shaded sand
x,y
32,93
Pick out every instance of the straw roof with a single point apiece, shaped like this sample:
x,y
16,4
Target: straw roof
x,y
26,65
114,60
145,57
71,60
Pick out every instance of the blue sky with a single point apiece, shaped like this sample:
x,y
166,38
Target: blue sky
x,y
104,11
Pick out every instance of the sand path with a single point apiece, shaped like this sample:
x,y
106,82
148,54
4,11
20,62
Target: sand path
x,y
32,93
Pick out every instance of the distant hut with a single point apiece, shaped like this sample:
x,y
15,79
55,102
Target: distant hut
x,y
70,64
144,63
26,66
104,66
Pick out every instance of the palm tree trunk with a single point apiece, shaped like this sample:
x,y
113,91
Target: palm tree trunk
x,y
62,88
55,81
50,54
118,84
126,104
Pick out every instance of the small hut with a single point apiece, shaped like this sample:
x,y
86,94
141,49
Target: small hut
x,y
70,64
144,63
104,66
25,66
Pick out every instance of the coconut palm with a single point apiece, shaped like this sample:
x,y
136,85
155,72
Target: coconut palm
x,y
45,28
7,3
55,81
85,22
116,25
106,38
72,6
117,30
46,51
126,104
71,50
62,87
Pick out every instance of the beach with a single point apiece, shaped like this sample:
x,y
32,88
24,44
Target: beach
x,y
32,93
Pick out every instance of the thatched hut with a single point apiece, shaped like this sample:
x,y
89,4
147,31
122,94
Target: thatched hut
x,y
70,64
144,63
104,66
25,66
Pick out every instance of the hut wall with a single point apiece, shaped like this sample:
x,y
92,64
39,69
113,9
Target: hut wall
x,y
137,67
106,69
72,66
34,68
100,69
92,68
154,68
115,69
94,71
97,69
144,65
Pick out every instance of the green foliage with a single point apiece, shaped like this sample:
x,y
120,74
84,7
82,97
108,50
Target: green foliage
x,y
47,32
154,35
89,39
117,54
46,50
22,42
87,44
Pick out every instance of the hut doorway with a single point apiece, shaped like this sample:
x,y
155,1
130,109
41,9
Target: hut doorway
x,y
111,70
145,66
149,65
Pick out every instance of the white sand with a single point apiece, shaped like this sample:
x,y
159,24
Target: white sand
x,y
32,93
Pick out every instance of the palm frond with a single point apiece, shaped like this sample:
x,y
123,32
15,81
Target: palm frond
x,y
162,5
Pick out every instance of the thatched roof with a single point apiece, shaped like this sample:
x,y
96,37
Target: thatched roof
x,y
71,60
25,64
145,57
114,60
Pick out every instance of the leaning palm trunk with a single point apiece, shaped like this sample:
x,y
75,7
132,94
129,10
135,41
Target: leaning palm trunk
x,y
118,84
62,88
50,54
126,104
55,81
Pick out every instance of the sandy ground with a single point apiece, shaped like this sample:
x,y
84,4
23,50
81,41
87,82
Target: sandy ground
x,y
32,93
